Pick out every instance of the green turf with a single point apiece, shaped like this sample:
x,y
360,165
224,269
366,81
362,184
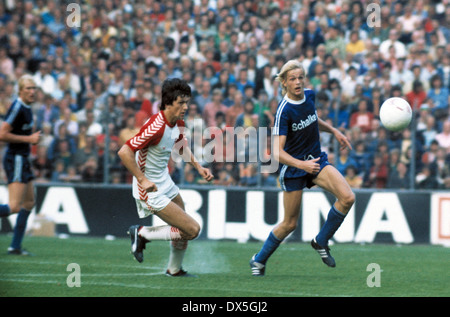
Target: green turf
x,y
295,270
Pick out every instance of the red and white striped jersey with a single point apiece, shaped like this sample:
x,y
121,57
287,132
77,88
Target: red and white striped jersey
x,y
153,146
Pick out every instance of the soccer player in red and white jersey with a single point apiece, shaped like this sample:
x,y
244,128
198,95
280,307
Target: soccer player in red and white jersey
x,y
146,156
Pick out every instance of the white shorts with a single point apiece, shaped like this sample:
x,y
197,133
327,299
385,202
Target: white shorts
x,y
158,200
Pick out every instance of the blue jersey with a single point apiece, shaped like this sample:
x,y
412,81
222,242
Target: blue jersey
x,y
298,121
20,117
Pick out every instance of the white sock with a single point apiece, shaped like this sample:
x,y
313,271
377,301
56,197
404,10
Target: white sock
x,y
177,251
166,232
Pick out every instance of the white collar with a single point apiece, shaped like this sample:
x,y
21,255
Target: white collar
x,y
23,103
297,102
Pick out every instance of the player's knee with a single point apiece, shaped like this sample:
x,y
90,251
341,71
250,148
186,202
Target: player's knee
x,y
348,200
192,232
28,205
292,226
14,209
289,226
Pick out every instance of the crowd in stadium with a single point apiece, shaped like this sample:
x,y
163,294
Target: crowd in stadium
x,y
106,74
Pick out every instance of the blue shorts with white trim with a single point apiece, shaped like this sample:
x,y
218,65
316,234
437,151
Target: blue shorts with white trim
x,y
299,183
17,168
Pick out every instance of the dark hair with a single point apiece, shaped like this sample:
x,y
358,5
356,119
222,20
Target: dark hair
x,y
173,88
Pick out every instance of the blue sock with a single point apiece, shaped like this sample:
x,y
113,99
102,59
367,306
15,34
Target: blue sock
x,y
268,248
4,211
19,229
334,221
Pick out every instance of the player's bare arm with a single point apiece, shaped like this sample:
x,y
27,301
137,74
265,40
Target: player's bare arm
x,y
342,139
128,160
190,158
7,136
310,166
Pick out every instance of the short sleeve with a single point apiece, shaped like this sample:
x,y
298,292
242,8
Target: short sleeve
x,y
150,133
281,125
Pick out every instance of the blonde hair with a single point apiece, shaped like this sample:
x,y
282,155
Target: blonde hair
x,y
282,75
25,78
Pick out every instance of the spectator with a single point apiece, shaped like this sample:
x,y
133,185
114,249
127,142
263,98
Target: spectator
x,y
93,127
349,83
139,102
334,42
41,164
84,153
430,132
6,63
361,157
213,107
248,174
62,136
439,96
194,120
443,138
409,22
89,171
399,177
205,95
440,166
243,80
247,118
48,113
356,45
398,47
416,97
352,178
88,106
339,110
402,75
69,81
128,131
362,118
312,35
44,78
114,162
69,119
426,179
47,136
343,161
378,173
236,109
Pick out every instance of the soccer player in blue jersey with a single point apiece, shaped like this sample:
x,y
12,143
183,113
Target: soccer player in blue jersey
x,y
17,131
296,146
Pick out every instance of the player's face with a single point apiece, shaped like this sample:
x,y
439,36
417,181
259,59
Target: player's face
x,y
295,83
28,92
179,107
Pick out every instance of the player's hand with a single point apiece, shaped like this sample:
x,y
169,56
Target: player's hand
x,y
206,174
34,138
311,166
149,186
342,139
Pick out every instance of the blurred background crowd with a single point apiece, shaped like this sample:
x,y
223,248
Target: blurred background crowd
x,y
100,81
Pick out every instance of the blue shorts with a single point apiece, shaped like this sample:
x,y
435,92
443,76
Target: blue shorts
x,y
17,168
299,183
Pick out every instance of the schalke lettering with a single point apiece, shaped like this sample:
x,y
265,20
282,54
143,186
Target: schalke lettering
x,y
304,123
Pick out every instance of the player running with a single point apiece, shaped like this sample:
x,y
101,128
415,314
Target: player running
x,y
296,146
146,156
17,131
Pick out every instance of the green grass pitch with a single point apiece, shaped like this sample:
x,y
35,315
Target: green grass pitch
x,y
107,269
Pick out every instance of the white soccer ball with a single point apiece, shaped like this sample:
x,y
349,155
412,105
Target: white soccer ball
x,y
395,114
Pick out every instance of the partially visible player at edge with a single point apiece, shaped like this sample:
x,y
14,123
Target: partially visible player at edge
x,y
146,156
296,146
17,131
